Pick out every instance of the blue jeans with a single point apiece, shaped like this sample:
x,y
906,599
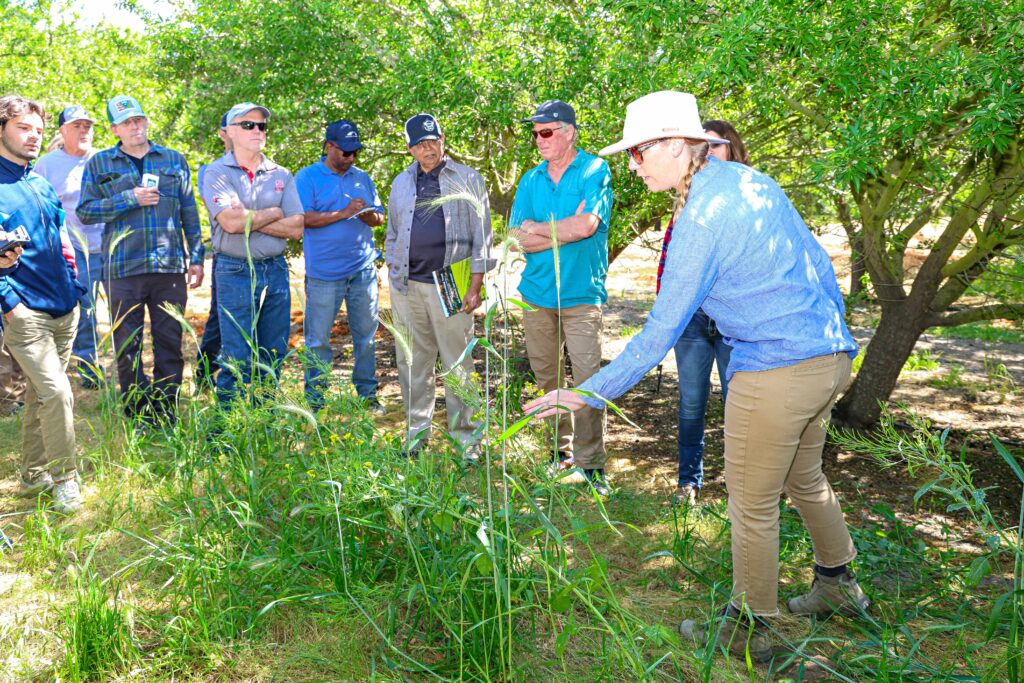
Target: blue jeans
x,y
698,345
90,274
255,317
323,301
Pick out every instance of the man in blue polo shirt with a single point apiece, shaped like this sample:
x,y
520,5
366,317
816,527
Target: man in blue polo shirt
x,y
567,200
342,208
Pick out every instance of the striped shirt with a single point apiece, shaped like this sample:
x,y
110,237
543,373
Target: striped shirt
x,y
137,240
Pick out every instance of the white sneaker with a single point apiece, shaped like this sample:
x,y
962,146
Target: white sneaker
x,y
67,497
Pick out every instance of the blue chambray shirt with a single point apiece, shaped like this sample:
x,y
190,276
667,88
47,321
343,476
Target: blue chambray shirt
x,y
583,265
741,252
165,238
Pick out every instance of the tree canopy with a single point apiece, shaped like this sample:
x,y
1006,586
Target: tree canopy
x,y
887,116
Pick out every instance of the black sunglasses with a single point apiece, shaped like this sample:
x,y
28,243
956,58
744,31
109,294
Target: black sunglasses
x,y
348,154
545,133
249,125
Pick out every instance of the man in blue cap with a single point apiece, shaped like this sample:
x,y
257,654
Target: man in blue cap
x,y
341,209
142,192
254,211
64,169
566,201
438,215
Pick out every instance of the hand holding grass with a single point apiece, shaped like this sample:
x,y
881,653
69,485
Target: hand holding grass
x,y
554,402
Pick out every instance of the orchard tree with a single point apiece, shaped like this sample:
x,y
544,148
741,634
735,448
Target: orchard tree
x,y
907,115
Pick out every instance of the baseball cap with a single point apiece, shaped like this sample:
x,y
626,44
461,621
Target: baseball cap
x,y
553,111
344,134
421,127
224,121
75,112
243,108
122,108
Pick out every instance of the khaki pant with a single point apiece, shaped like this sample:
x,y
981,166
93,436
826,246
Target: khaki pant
x,y
582,433
12,381
42,346
429,334
774,434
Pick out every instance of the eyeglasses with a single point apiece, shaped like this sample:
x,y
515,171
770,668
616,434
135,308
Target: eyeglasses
x,y
348,154
545,132
249,125
637,153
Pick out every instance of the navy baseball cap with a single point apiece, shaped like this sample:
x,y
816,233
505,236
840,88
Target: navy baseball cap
x,y
224,121
344,134
553,111
421,127
73,113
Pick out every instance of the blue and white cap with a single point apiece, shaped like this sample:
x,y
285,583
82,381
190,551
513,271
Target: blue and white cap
x,y
421,127
75,112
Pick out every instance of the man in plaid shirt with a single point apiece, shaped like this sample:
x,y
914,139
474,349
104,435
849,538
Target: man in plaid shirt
x,y
151,239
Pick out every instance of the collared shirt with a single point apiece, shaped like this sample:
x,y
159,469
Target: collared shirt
x,y
427,238
741,252
467,220
583,264
337,250
65,171
164,238
226,182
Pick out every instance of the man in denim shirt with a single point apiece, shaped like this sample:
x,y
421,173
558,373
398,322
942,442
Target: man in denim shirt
x,y
151,238
427,232
342,208
565,202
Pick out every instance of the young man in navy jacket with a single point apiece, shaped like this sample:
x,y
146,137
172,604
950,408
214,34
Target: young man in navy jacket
x,y
39,300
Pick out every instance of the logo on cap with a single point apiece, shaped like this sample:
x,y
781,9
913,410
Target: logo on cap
x,y
122,105
428,126
351,134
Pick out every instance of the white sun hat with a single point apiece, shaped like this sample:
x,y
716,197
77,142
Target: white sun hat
x,y
662,114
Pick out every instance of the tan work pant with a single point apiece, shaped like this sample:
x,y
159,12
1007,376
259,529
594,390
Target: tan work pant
x,y
12,381
582,433
42,346
774,434
429,334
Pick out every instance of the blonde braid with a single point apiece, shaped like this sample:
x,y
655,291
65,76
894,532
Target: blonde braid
x,y
698,155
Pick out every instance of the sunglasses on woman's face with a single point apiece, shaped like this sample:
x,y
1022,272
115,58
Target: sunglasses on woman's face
x,y
637,153
249,125
544,132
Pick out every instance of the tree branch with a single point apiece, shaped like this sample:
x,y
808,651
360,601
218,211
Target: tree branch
x,y
1007,311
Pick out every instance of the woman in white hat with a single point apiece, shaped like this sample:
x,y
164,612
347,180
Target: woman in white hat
x,y
741,252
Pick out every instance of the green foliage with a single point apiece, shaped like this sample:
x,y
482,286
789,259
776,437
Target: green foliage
x,y
97,634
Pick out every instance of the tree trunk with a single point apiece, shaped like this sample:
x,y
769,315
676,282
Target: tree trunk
x,y
897,333
858,266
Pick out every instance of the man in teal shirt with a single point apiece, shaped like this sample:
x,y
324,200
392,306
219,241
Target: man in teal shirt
x,y
565,201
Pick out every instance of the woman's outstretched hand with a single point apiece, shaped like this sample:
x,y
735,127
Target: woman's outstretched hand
x,y
557,401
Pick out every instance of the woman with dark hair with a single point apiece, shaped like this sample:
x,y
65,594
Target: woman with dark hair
x,y
699,345
742,253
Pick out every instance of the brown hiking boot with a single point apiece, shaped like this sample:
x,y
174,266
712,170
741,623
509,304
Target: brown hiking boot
x,y
832,594
685,495
735,632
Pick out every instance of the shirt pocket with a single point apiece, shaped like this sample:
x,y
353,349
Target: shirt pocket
x,y
114,183
170,182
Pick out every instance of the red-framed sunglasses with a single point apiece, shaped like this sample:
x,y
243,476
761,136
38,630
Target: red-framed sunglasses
x,y
637,153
